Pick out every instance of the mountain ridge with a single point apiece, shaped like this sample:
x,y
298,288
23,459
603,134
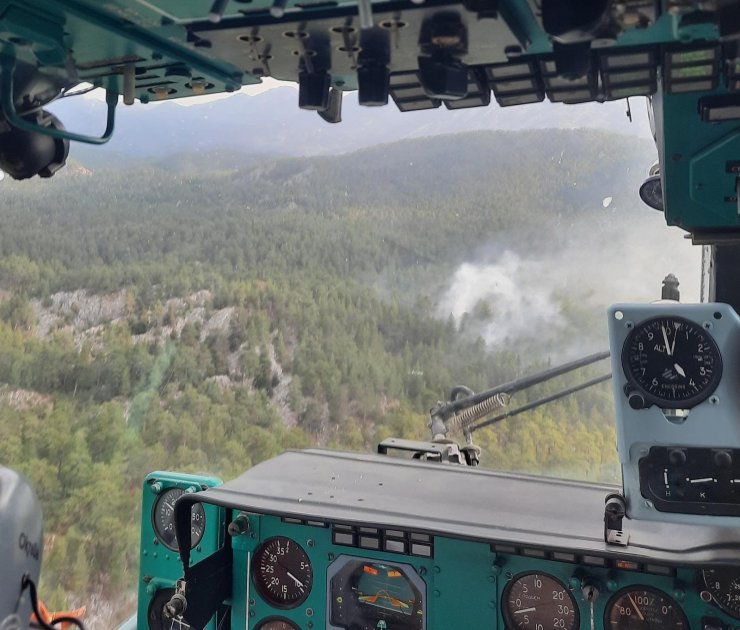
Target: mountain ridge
x,y
270,123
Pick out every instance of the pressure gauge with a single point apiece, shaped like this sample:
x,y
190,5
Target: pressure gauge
x,y
670,362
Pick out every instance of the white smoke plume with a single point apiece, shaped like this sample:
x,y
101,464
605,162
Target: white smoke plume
x,y
556,300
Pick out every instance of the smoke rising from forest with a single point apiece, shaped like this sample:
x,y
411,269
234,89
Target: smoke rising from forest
x,y
511,291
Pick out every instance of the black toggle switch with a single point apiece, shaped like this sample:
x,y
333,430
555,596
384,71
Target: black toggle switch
x,y
373,84
677,456
313,90
723,459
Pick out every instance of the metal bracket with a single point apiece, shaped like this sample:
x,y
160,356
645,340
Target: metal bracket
x,y
15,119
442,451
615,509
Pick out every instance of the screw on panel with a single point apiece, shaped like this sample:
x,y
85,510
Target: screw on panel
x,y
713,400
309,612
707,325
649,504
629,325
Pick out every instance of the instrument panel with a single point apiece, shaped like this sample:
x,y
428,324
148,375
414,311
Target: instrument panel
x,y
475,585
451,548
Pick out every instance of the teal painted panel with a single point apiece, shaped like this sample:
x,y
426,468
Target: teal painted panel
x,y
464,585
159,566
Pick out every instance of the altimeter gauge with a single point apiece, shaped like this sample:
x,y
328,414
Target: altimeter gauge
x,y
723,587
670,362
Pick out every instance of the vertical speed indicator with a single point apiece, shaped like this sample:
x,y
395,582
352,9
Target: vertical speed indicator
x,y
538,601
671,362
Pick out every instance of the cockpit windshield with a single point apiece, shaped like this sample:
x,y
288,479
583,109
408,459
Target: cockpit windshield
x,y
225,281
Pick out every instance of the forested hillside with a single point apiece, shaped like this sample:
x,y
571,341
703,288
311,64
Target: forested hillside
x,y
209,313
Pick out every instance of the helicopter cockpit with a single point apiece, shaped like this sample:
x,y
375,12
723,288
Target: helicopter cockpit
x,y
319,539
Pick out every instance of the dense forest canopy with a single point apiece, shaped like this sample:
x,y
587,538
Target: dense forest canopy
x,y
205,314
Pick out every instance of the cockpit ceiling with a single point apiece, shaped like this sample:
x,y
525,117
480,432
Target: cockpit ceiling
x,y
421,54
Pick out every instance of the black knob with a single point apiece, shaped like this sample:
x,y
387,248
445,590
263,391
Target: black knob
x,y
636,401
723,459
677,457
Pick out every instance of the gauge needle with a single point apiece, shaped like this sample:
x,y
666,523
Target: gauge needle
x,y
637,610
526,610
169,506
295,579
668,349
679,369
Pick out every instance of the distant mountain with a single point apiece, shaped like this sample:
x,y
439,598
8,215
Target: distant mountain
x,y
271,125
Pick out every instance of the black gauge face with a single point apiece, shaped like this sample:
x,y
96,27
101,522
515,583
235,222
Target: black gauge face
x,y
673,362
724,586
163,517
540,602
643,608
277,624
283,573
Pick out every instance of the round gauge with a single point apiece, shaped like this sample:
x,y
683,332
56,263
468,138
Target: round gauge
x,y
673,362
283,574
540,602
163,517
643,607
277,624
724,586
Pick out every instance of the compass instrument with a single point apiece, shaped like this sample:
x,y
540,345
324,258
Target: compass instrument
x,y
670,362
283,573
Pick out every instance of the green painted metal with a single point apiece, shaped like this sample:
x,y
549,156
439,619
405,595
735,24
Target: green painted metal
x,y
159,566
465,581
699,192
